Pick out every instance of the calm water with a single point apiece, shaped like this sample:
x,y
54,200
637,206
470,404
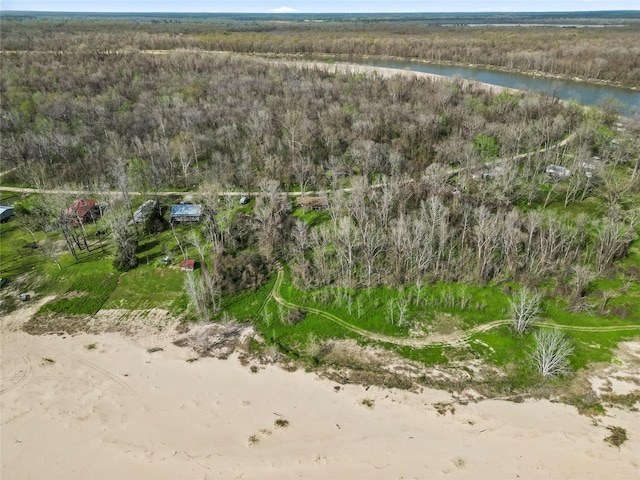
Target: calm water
x,y
587,94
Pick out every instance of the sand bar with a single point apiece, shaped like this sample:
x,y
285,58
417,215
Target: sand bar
x,y
116,411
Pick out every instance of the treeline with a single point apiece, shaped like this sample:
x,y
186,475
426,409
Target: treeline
x,y
603,54
173,120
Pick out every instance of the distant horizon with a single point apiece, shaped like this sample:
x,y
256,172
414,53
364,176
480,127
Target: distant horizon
x,y
501,12
297,13
319,6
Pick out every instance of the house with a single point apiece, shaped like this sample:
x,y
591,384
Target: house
x,y
82,211
186,213
5,213
558,171
141,214
187,265
312,203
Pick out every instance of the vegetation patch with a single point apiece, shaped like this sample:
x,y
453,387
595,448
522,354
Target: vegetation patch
x,y
618,436
281,423
92,293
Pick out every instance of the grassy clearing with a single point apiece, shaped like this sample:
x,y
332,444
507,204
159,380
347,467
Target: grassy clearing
x,y
393,312
16,255
247,306
86,295
148,287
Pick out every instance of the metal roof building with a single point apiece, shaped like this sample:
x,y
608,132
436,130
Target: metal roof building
x,y
185,213
5,213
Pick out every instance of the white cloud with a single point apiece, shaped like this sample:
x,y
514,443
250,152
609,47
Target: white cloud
x,y
283,10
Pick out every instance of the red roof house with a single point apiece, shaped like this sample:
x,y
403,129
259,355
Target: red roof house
x,y
81,211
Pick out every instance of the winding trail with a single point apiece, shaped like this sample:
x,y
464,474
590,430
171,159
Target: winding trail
x,y
450,340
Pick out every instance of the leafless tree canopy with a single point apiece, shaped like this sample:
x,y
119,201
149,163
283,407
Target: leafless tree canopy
x,y
552,353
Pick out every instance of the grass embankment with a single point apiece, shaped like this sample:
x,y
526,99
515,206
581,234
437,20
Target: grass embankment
x,y
448,313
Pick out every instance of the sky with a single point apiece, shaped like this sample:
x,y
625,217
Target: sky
x,y
318,6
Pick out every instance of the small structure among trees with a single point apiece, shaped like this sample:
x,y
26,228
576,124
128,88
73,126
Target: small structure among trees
x,y
186,213
312,203
557,171
82,211
141,214
187,265
5,213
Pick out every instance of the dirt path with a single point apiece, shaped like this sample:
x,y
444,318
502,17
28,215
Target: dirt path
x,y
450,340
337,67
451,172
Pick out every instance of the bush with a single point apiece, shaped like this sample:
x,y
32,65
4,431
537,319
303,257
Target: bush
x,y
244,271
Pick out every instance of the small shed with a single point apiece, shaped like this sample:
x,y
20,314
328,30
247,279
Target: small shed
x,y
6,213
312,203
558,171
187,265
186,213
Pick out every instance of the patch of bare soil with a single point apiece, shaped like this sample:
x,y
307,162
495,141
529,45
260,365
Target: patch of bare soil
x,y
347,362
218,340
128,322
617,384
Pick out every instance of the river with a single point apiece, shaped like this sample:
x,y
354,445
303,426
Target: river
x,y
585,93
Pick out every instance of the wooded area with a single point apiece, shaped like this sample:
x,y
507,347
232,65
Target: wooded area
x,y
607,54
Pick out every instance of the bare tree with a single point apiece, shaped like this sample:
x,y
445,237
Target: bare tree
x,y
124,238
270,209
551,353
487,234
201,295
582,276
525,308
612,242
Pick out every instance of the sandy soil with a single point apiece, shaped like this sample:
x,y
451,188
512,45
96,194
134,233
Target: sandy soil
x,y
102,406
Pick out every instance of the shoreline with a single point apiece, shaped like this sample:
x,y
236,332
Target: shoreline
x,y
112,406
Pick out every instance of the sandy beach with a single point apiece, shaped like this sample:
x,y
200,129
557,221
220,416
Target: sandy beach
x,y
105,407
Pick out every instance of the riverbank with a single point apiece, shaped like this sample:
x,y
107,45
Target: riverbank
x,y
348,59
110,405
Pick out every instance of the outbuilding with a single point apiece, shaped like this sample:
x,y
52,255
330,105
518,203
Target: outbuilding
x,y
187,265
5,213
186,213
558,171
141,214
82,211
313,203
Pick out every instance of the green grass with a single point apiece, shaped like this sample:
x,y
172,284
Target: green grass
x,y
9,197
372,309
15,257
246,306
312,218
147,287
85,295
